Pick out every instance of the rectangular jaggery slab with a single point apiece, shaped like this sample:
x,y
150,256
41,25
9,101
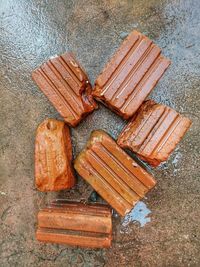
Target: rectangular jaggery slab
x,y
113,173
153,132
74,223
53,156
67,86
130,75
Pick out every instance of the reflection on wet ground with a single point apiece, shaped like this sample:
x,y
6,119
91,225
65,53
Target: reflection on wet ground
x,y
139,214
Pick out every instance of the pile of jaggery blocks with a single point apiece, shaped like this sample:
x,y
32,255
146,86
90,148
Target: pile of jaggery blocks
x,y
152,133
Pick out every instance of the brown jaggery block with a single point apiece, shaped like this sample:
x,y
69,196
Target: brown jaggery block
x,y
112,173
67,86
130,75
53,156
153,132
76,224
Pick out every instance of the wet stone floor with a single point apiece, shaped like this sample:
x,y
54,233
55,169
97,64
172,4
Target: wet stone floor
x,y
163,229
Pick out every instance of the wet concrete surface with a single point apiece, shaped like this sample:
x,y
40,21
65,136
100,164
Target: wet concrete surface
x,y
164,229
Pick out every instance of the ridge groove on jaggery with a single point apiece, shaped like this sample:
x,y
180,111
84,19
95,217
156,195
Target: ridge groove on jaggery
x,y
117,58
69,211
135,77
100,210
58,93
142,127
153,70
134,181
66,86
167,134
123,63
133,68
66,75
114,180
104,188
70,70
158,126
73,232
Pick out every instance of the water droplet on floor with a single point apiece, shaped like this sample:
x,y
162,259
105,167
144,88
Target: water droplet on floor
x,y
176,161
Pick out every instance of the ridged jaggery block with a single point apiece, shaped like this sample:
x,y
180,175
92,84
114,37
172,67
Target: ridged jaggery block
x,y
77,224
67,86
112,172
53,156
153,132
130,75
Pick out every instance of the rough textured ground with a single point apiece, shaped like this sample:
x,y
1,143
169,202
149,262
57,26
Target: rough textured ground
x,y
31,32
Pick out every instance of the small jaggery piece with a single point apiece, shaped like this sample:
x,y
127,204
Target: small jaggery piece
x,y
130,75
67,86
53,156
153,132
112,173
76,224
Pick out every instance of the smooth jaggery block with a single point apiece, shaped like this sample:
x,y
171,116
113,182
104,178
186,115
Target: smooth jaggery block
x,y
53,156
77,224
67,86
112,173
153,132
130,75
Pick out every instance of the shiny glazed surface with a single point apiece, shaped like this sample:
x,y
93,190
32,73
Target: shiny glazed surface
x,y
53,156
76,224
33,31
130,75
112,172
153,132
67,86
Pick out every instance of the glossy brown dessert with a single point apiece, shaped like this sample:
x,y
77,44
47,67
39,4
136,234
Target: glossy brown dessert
x,y
112,173
75,224
153,132
67,86
130,75
53,156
